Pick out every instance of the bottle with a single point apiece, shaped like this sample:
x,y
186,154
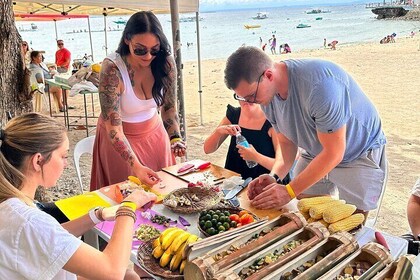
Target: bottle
x,y
416,268
241,140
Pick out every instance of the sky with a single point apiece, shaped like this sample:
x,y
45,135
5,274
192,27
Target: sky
x,y
214,5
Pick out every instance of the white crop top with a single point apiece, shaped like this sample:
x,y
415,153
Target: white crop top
x,y
133,109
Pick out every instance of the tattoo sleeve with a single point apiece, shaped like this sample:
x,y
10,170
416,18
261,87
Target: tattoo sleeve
x,y
169,112
109,98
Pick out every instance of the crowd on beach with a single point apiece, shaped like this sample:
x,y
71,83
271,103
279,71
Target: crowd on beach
x,y
309,122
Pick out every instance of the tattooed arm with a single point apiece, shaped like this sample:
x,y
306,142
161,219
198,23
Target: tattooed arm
x,y
170,113
110,90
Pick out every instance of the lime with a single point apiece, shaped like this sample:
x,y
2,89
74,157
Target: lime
x,y
208,224
217,212
221,228
202,223
226,213
211,212
226,225
233,224
207,217
211,231
216,217
214,222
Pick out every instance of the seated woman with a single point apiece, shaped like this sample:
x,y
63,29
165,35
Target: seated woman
x,y
36,64
33,152
250,120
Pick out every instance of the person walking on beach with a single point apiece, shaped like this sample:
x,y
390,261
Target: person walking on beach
x,y
138,130
273,43
316,106
62,57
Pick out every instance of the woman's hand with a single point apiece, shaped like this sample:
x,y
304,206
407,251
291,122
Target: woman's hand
x,y
247,153
179,148
146,175
231,129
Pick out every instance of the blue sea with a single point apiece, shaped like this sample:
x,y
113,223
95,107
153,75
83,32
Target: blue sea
x,y
223,32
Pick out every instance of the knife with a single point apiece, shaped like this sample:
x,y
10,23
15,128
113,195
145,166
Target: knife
x,y
202,166
236,190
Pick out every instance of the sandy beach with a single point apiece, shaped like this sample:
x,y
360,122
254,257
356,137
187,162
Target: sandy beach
x,y
388,75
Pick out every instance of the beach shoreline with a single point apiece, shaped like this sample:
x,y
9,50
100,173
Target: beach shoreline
x,y
387,73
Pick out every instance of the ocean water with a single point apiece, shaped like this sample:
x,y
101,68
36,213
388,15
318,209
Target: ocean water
x,y
223,32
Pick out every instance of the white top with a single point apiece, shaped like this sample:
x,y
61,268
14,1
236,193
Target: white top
x,y
33,245
416,189
133,109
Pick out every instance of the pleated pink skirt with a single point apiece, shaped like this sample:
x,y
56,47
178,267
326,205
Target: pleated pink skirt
x,y
149,141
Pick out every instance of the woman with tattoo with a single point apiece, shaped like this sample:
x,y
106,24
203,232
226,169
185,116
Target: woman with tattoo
x,y
138,130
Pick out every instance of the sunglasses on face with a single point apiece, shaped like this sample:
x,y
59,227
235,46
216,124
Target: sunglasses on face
x,y
60,44
24,45
251,98
141,52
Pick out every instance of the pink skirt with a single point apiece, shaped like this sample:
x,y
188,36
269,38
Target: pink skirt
x,y
149,141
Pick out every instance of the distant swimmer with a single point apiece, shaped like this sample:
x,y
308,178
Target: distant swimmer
x,y
333,44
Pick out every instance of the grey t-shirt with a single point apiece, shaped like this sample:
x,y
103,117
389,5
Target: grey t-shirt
x,y
323,97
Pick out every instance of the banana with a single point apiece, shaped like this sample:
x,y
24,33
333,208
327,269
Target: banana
x,y
134,179
175,262
165,258
170,237
193,238
165,232
158,252
156,243
182,266
179,240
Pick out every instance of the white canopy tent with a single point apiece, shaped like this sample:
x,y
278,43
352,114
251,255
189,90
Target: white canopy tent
x,y
127,7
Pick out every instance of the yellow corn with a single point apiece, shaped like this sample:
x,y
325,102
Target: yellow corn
x,y
312,220
305,203
338,212
316,211
305,215
324,223
347,224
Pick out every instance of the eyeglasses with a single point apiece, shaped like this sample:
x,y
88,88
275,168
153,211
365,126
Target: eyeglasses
x,y
141,52
252,96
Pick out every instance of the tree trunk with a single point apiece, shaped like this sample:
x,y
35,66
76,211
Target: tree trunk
x,y
15,90
15,93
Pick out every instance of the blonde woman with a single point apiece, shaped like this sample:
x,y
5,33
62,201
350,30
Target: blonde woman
x,y
33,152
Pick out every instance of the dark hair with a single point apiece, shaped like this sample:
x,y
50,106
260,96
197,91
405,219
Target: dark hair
x,y
246,63
34,54
147,22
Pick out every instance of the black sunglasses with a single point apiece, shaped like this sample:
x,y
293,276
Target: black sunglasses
x,y
141,52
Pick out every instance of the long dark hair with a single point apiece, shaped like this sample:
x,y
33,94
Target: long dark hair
x,y
147,22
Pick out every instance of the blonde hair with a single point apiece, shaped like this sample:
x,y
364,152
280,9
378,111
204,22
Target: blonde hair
x,y
23,137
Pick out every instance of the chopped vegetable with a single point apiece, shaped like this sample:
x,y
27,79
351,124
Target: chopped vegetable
x,y
146,232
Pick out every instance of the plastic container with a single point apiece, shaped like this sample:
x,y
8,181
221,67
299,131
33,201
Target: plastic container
x,y
241,140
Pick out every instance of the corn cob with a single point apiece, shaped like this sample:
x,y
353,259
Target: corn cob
x,y
316,211
347,224
305,215
312,220
305,203
338,212
324,223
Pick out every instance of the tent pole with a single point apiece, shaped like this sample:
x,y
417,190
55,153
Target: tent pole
x,y
197,19
106,35
90,38
176,37
55,27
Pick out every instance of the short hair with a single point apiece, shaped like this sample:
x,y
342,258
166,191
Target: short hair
x,y
60,40
146,22
23,137
34,54
246,63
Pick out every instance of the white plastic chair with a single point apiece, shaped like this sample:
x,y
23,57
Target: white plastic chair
x,y
84,146
370,222
38,87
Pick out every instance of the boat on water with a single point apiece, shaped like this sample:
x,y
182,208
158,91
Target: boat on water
x,y
248,26
318,18
301,25
33,27
120,21
260,15
318,11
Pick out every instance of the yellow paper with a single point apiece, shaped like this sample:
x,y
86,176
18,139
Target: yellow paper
x,y
79,205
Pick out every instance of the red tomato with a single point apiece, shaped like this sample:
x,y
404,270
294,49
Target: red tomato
x,y
246,219
243,212
234,217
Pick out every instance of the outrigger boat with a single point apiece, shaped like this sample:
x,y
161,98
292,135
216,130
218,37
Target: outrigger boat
x,y
252,26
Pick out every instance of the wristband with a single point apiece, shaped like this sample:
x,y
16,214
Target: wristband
x,y
129,204
275,176
290,191
93,217
173,140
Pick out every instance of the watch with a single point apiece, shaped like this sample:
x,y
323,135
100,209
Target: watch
x,y
275,176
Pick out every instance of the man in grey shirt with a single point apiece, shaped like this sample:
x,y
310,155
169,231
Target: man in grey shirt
x,y
314,105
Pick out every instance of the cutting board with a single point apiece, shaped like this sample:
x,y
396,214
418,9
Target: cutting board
x,y
213,174
246,204
79,205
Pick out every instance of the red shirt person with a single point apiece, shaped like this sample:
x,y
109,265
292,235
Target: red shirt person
x,y
62,57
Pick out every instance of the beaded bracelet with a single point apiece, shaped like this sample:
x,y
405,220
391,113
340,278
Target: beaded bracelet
x,y
175,140
126,213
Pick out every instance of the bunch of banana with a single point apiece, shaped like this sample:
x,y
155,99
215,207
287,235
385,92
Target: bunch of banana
x,y
169,248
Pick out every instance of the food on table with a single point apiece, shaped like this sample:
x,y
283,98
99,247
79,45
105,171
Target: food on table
x,y
174,200
160,220
146,232
318,210
339,212
168,248
217,221
353,271
347,224
261,262
308,264
305,203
